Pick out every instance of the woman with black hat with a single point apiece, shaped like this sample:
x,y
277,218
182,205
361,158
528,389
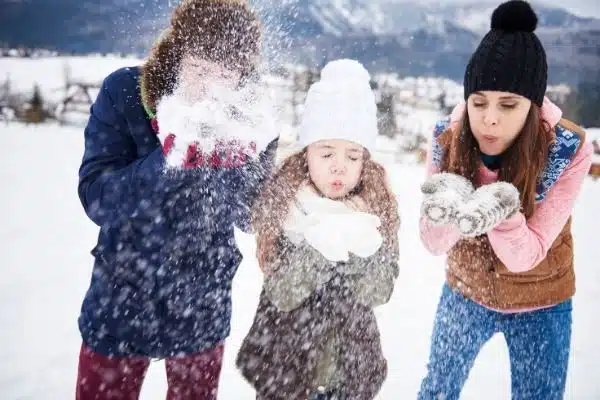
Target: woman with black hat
x,y
504,173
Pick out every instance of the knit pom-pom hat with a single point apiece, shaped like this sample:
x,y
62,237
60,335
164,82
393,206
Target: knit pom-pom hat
x,y
510,58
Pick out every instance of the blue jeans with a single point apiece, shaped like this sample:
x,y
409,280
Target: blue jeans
x,y
538,345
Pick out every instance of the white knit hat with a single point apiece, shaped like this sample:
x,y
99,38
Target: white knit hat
x,y
340,106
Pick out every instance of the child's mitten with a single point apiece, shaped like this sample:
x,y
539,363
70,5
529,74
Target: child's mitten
x,y
327,240
362,235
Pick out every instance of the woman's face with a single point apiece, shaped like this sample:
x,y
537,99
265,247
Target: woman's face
x,y
496,119
198,77
335,166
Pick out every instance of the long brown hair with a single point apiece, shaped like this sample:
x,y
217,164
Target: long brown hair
x,y
522,163
273,204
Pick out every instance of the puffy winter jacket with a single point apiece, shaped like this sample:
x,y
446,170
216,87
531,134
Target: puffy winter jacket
x,y
166,255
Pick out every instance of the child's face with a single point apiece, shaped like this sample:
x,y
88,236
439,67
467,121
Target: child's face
x,y
496,119
198,76
335,166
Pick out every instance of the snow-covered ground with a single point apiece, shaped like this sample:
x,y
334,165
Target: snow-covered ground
x,y
46,239
51,73
593,135
416,98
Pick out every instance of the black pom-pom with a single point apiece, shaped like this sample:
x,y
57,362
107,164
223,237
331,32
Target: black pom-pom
x,y
514,16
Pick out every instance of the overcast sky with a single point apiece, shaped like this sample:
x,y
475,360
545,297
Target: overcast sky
x,y
584,8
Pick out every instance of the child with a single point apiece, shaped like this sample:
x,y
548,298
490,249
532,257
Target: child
x,y
327,226
165,258
505,172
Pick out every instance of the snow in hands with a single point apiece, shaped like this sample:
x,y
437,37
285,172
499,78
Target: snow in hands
x,y
489,205
225,119
452,199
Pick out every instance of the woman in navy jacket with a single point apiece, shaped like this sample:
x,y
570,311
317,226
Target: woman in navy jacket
x,y
166,254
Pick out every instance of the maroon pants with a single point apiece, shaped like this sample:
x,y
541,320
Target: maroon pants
x,y
195,376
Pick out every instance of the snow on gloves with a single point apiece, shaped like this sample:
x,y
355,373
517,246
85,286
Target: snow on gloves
x,y
226,130
489,205
452,199
443,193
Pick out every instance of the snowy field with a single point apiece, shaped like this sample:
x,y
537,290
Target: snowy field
x,y
51,73
46,239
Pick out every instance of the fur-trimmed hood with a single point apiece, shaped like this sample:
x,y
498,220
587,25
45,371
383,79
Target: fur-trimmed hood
x,y
223,31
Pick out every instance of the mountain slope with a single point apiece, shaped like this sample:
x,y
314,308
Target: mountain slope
x,y
386,35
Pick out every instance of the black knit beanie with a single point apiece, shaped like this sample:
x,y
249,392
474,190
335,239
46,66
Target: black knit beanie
x,y
510,58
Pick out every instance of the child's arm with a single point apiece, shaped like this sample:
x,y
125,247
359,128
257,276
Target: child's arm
x,y
298,272
375,278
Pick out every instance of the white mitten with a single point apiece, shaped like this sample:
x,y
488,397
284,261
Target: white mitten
x,y
307,211
326,237
489,205
443,192
296,224
332,227
363,239
446,181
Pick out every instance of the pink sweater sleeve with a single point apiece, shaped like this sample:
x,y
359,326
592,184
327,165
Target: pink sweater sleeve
x,y
522,244
437,239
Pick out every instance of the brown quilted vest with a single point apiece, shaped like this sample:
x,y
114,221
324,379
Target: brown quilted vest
x,y
475,271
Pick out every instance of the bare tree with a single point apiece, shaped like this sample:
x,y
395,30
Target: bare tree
x,y
386,115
